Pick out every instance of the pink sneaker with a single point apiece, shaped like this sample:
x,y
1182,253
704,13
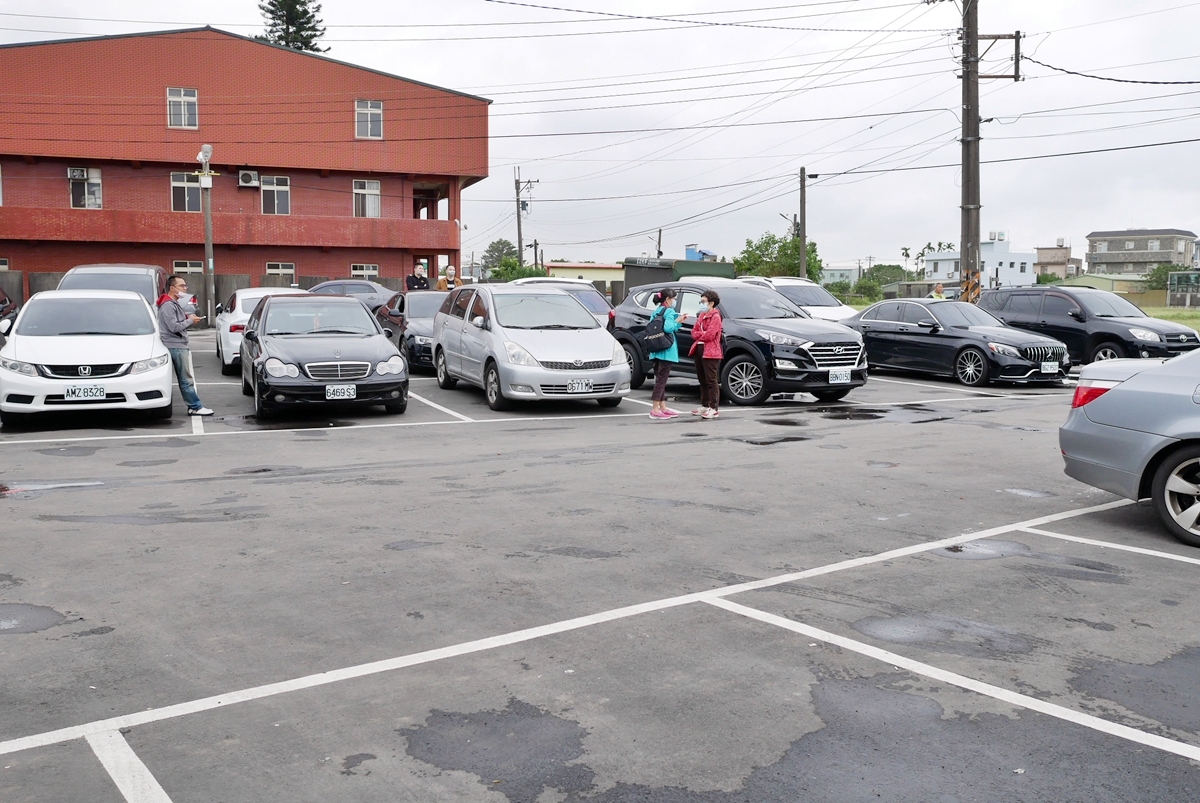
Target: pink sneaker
x,y
658,414
669,413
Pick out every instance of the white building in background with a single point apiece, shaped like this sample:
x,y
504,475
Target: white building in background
x,y
999,265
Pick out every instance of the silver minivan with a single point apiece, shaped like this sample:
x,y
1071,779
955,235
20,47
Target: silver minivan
x,y
526,342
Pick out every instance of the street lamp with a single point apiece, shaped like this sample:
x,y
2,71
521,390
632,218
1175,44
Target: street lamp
x,y
210,281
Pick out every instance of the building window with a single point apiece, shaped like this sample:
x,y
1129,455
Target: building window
x,y
85,188
368,119
1011,265
1022,267
187,266
1179,244
1129,245
276,195
1101,247
364,270
956,264
182,108
934,266
1152,245
3,264
185,192
366,199
281,268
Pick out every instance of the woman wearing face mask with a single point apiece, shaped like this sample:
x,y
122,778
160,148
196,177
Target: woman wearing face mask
x,y
663,360
707,353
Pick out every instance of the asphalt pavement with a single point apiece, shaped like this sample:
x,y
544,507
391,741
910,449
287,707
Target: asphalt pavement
x,y
898,597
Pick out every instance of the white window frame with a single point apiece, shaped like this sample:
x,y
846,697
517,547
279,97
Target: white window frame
x,y
178,102
366,190
360,270
272,185
281,269
93,189
187,266
1180,246
1102,247
367,112
188,181
3,263
1153,245
1023,267
1129,244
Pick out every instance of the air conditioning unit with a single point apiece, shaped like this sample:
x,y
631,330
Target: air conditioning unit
x,y
77,173
247,178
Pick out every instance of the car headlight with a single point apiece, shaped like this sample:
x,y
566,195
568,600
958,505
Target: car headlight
x,y
395,365
1145,334
776,339
619,357
142,366
421,340
278,368
19,367
518,355
1001,348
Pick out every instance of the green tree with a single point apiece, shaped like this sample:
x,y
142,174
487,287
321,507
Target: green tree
x,y
293,23
497,251
1157,278
868,288
839,289
1047,278
510,269
772,255
885,274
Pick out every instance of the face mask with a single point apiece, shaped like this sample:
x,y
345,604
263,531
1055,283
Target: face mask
x,y
704,306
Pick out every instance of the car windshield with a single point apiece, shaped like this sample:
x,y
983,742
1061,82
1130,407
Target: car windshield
x,y
423,305
807,295
1109,305
958,314
541,311
590,298
319,317
53,317
88,280
751,302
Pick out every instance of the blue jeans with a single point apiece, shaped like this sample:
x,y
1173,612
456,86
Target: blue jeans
x,y
182,360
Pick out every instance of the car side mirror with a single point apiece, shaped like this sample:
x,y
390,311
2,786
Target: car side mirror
x,y
931,325
250,335
479,322
5,325
1077,314
219,309
390,333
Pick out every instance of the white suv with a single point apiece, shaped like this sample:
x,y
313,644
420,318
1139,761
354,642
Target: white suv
x,y
805,294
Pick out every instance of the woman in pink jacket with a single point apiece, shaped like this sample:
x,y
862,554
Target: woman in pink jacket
x,y
706,351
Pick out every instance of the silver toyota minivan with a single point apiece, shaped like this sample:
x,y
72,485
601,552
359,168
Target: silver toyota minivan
x,y
526,342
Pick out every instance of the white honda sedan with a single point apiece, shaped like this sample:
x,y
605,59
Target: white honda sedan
x,y
84,349
231,322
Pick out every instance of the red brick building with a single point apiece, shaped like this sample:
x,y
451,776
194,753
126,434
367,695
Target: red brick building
x,y
327,169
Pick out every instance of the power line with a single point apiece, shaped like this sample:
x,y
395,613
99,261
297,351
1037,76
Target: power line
x,y
1106,78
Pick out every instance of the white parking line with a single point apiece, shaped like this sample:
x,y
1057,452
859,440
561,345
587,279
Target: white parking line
x,y
638,401
131,776
963,682
515,637
197,425
1109,545
933,387
437,406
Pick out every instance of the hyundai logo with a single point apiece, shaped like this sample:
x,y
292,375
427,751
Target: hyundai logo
x,y
839,349
85,370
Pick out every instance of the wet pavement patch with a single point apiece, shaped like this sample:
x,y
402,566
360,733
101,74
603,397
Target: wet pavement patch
x,y
7,581
881,464
771,440
1066,567
70,451
1167,691
250,422
695,435
985,549
351,763
242,470
401,546
1093,625
158,518
1028,493
578,552
95,631
831,446
17,618
945,634
783,422
169,443
518,751
148,463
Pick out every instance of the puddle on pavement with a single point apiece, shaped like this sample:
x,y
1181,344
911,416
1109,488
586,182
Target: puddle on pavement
x,y
1028,493
1165,691
254,470
783,422
351,763
986,549
147,463
401,546
250,422
95,631
771,440
17,618
694,435
881,464
170,443
7,581
1065,567
945,634
579,552
70,451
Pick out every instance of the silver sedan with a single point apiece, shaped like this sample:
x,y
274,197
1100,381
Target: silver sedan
x,y
1134,430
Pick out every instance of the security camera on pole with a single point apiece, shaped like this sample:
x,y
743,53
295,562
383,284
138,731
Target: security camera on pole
x,y
210,281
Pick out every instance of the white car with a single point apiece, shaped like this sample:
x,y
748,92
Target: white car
x,y
92,349
231,322
805,294
584,291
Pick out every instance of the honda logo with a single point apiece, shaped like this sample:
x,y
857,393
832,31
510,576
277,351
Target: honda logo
x,y
85,370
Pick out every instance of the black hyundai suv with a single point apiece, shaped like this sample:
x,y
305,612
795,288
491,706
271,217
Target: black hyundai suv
x,y
771,345
1094,324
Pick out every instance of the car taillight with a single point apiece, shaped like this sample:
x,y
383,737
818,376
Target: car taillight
x,y
612,314
237,327
1088,390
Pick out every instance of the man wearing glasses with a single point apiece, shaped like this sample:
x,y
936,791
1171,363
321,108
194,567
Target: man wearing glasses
x,y
173,324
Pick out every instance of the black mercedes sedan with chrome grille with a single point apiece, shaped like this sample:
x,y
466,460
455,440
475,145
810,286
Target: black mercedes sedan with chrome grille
x,y
771,345
303,350
952,338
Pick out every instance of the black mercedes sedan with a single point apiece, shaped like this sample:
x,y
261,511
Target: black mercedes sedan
x,y
771,345
952,338
409,316
301,350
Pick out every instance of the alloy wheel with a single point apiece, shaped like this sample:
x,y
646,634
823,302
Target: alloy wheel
x,y
493,387
1183,495
745,380
970,367
1105,353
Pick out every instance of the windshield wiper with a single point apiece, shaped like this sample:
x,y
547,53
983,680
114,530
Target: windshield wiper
x,y
122,334
333,331
555,326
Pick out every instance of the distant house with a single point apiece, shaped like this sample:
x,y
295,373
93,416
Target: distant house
x,y
1057,261
999,265
592,271
1139,251
831,275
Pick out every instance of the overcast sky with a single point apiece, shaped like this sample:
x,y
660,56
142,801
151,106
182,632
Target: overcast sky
x,y
746,105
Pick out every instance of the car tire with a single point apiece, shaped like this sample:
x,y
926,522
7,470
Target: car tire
x,y
831,395
609,402
396,408
971,367
1171,493
744,381
1107,350
161,412
445,381
261,411
493,390
13,419
227,369
637,373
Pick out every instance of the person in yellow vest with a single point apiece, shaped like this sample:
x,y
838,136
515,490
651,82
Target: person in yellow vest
x,y
450,280
938,292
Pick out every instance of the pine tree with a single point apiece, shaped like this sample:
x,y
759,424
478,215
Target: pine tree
x,y
293,23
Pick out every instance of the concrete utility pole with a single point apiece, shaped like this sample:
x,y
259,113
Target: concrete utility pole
x,y
210,279
658,249
522,206
802,223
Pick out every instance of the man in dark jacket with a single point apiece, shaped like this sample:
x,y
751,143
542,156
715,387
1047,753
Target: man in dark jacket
x,y
417,280
173,323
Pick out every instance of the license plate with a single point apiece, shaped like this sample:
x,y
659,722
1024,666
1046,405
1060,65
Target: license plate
x,y
75,392
579,386
839,376
1049,368
341,391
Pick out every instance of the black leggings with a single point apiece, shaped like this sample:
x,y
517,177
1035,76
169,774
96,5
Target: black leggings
x,y
662,370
